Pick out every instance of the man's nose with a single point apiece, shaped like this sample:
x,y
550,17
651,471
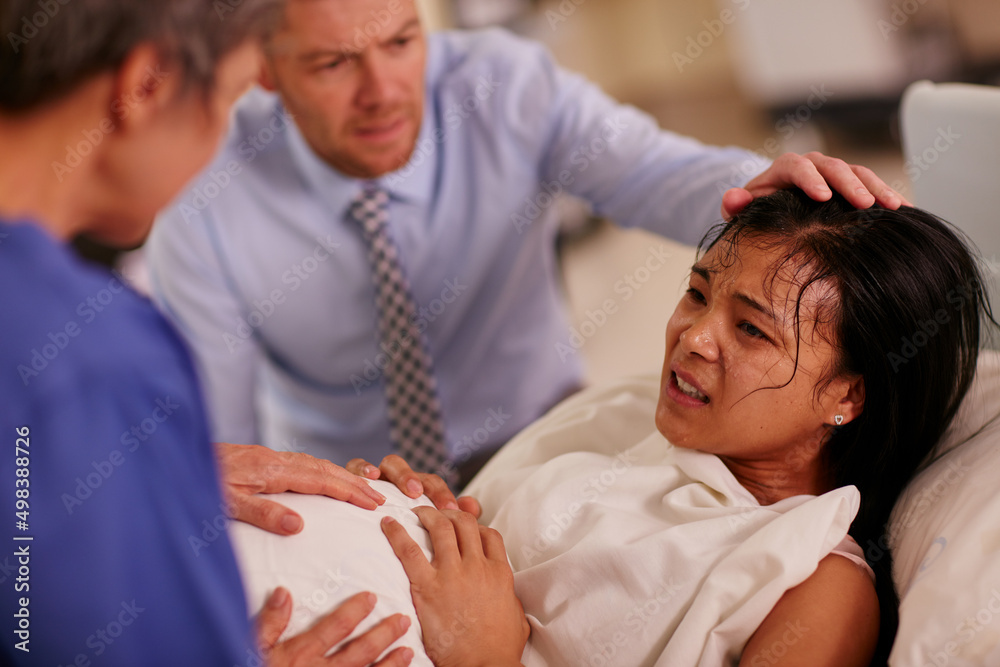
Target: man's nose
x,y
374,88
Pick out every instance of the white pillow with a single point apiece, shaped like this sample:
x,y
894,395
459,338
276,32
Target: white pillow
x,y
946,541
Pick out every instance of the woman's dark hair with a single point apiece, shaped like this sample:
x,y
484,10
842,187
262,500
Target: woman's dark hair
x,y
911,302
52,46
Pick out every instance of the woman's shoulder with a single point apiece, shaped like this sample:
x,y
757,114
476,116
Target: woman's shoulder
x,y
831,618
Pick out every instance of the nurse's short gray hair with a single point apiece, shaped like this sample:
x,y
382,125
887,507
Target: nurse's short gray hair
x,y
49,47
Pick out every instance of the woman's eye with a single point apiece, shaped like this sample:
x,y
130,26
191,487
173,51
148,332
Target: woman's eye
x,y
752,331
695,295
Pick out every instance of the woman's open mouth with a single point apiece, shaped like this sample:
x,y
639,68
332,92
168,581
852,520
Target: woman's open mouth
x,y
684,392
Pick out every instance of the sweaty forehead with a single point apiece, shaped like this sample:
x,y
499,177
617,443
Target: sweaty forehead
x,y
770,273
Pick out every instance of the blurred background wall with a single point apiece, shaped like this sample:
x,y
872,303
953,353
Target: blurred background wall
x,y
769,75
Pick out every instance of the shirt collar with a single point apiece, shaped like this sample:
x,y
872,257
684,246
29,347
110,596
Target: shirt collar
x,y
414,181
334,188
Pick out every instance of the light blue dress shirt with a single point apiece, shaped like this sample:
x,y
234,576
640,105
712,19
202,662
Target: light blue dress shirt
x,y
267,277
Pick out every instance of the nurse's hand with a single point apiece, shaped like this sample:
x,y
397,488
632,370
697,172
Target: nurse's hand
x,y
251,469
396,470
817,175
310,647
465,600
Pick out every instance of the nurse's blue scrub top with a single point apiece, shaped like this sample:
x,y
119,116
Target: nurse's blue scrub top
x,y
117,554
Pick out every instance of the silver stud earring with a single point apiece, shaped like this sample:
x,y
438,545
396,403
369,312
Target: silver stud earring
x,y
838,420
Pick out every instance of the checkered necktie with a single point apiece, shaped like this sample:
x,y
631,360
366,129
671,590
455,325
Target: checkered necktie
x,y
415,423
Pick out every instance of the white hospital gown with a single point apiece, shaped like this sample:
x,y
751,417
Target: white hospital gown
x,y
649,554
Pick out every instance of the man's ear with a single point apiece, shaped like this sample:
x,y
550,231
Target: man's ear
x,y
266,78
143,86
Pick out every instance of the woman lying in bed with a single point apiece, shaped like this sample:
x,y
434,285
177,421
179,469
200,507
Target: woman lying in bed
x,y
816,358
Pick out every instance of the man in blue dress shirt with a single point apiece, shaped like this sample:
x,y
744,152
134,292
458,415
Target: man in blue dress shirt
x,y
473,135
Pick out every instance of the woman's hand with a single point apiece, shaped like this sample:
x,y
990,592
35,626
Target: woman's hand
x,y
465,599
396,470
251,469
815,174
310,647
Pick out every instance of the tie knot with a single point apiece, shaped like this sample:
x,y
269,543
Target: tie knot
x,y
369,208
373,192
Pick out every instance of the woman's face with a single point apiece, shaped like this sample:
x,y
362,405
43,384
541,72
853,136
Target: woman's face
x,y
730,384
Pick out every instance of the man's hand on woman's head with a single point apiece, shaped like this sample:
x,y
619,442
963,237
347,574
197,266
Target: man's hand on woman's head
x,y
465,600
247,470
396,470
818,176
310,647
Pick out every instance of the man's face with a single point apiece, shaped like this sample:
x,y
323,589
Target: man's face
x,y
351,73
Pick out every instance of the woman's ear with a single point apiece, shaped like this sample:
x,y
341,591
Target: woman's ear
x,y
851,400
143,86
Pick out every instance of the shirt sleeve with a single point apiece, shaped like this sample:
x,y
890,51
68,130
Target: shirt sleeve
x,y
194,289
619,159
851,550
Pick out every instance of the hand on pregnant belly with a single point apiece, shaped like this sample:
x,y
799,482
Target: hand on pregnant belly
x,y
465,597
312,647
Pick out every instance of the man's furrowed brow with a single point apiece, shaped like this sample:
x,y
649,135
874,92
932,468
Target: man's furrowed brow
x,y
333,53
325,54
407,27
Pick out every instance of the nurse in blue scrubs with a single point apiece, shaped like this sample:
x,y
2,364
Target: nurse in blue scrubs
x,y
113,549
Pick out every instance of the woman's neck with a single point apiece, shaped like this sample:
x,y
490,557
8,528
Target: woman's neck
x,y
771,481
36,180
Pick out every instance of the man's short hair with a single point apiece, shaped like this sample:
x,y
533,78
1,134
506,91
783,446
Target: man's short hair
x,y
52,46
